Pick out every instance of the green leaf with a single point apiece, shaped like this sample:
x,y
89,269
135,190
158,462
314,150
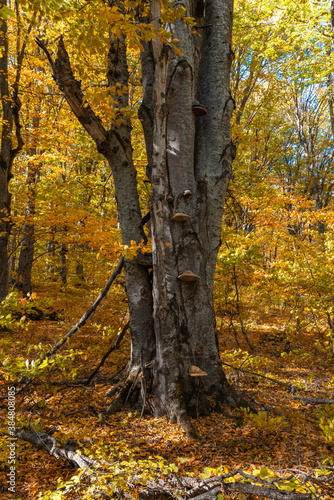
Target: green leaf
x,y
5,12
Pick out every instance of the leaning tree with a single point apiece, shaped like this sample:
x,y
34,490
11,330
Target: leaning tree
x,y
185,112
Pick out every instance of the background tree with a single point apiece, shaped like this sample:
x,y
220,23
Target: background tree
x,y
10,117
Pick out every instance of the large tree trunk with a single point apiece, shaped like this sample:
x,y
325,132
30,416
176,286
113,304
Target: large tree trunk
x,y
191,168
189,163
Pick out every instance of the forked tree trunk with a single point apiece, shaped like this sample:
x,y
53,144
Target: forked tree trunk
x,y
115,145
189,163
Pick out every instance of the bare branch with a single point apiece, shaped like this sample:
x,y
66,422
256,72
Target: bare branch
x,y
80,323
71,88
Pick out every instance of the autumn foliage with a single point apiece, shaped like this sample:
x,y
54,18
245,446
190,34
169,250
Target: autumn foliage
x,y
274,287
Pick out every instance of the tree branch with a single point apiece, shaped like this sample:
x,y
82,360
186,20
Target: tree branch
x,y
81,322
109,351
71,88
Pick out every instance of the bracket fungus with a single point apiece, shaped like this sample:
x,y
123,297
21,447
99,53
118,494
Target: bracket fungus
x,y
199,109
188,276
187,193
194,371
180,217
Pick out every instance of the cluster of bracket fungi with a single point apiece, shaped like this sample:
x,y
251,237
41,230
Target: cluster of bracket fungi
x,y
181,217
188,276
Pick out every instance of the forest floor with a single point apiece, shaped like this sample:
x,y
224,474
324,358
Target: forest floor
x,y
289,381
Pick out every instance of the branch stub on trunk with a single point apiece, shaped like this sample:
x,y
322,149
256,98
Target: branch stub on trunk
x,y
188,276
180,217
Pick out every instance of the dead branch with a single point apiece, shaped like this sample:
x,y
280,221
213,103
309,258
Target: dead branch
x,y
109,351
286,384
81,322
172,487
315,401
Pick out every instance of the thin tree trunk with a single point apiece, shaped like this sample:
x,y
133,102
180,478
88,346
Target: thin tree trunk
x,y
330,77
115,145
12,249
11,106
26,255
5,157
63,263
50,254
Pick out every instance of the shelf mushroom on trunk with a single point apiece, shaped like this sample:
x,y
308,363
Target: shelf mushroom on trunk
x,y
194,371
199,109
188,276
180,217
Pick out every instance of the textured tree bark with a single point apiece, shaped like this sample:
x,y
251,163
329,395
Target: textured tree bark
x,y
5,158
191,167
10,116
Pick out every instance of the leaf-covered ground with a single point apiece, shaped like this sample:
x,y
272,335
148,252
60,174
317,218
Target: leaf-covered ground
x,y
289,380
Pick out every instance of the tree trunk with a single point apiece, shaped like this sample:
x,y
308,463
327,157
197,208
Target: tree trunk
x,y
5,157
189,163
12,247
63,262
26,255
191,168
10,115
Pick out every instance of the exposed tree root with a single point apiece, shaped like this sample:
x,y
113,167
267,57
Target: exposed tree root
x,y
127,392
132,392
